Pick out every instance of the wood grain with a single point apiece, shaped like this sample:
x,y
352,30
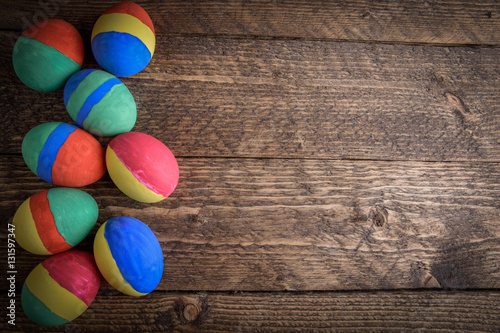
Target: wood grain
x,y
476,311
298,99
393,21
273,224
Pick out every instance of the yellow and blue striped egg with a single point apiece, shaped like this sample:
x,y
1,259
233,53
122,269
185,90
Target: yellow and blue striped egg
x,y
129,255
60,288
123,39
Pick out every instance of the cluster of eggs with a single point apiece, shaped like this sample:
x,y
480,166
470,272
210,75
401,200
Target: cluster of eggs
x,y
48,56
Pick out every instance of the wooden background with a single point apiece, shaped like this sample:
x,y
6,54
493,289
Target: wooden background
x,y
339,165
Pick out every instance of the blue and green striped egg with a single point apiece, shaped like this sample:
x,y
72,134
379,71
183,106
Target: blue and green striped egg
x,y
100,103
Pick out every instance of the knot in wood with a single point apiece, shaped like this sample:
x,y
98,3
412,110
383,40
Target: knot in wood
x,y
378,216
190,312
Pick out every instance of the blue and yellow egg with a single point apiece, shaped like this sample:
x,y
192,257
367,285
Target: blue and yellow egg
x,y
61,288
123,39
129,255
100,103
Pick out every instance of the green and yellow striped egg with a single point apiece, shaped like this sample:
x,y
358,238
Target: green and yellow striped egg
x,y
61,288
54,220
100,103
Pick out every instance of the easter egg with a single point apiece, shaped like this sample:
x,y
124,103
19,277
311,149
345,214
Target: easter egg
x,y
47,54
129,255
123,39
142,167
63,154
54,220
60,288
100,103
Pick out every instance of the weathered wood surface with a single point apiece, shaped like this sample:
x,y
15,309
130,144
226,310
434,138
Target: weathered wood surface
x,y
400,311
323,146
440,22
273,224
298,99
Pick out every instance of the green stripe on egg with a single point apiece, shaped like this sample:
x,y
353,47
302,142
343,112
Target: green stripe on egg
x,y
100,103
37,311
47,71
75,213
32,144
86,87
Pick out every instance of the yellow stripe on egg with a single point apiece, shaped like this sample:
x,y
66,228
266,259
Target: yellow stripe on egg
x,y
26,232
126,181
108,267
125,23
58,299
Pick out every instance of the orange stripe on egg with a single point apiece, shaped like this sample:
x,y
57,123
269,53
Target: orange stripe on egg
x,y
79,162
68,40
25,230
46,227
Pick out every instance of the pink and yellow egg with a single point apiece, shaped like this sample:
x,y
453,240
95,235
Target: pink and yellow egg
x,y
142,167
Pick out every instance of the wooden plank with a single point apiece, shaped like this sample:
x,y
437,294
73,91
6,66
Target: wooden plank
x,y
472,311
394,21
271,224
298,99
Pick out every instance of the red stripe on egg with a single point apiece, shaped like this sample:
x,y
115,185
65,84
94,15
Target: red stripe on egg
x,y
46,227
80,275
133,9
60,35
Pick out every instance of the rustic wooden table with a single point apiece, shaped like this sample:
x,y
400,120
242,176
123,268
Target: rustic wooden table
x,y
339,165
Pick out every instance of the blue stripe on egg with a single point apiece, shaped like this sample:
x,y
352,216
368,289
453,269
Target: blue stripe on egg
x,y
73,83
142,263
129,55
49,151
94,98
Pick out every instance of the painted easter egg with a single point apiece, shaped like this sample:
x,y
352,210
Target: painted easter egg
x,y
47,54
54,220
60,288
129,255
100,103
142,167
63,154
123,39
